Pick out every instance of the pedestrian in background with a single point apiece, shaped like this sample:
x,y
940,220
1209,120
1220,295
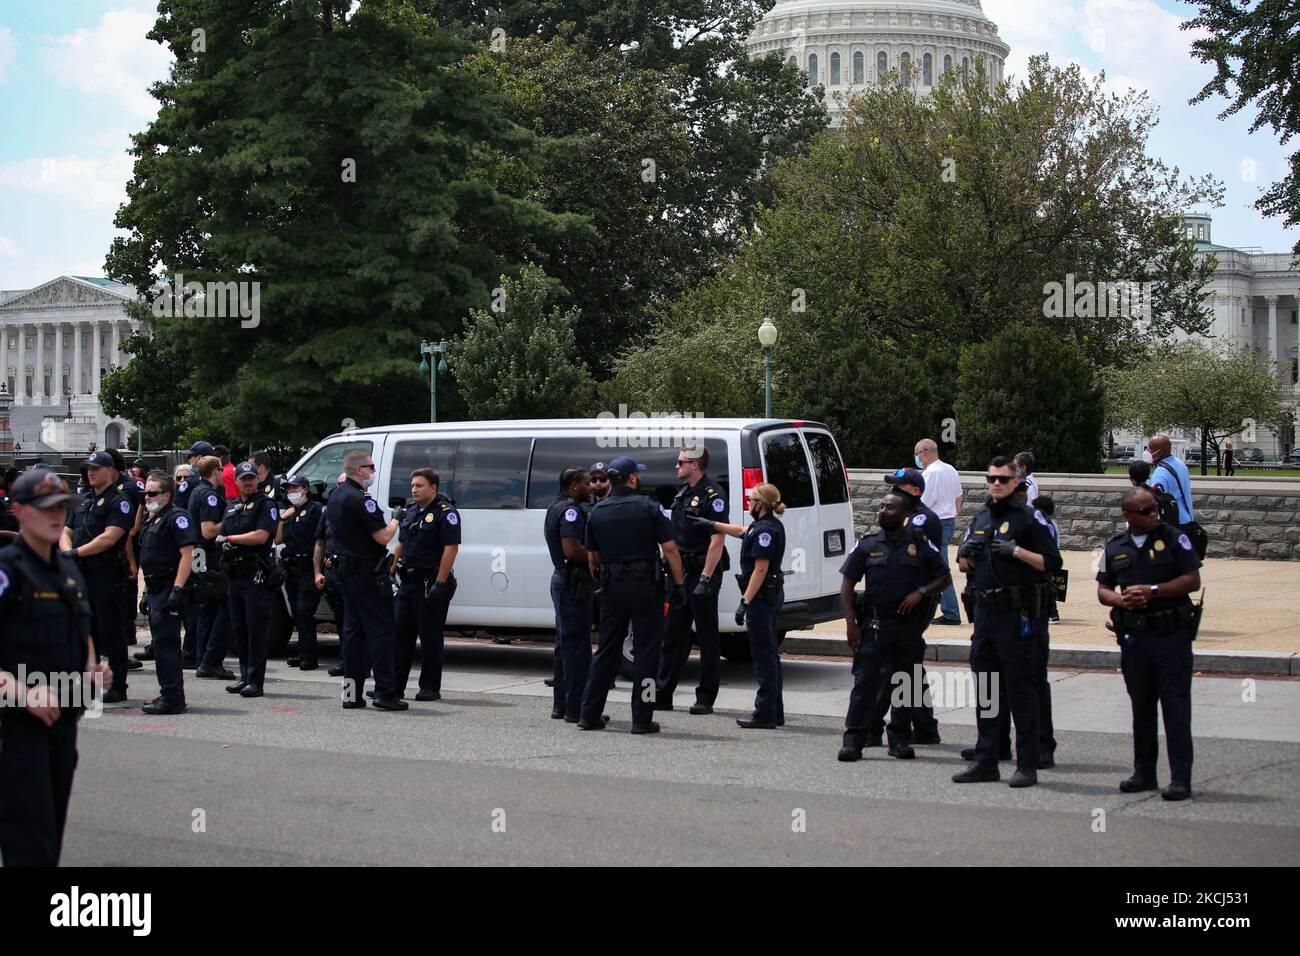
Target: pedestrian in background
x,y
1229,462
1169,474
1025,464
943,496
228,485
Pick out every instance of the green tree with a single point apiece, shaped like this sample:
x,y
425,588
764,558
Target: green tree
x,y
1254,46
522,362
329,157
1214,394
1027,389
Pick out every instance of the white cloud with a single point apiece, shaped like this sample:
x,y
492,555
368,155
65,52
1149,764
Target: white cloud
x,y
87,183
8,248
8,50
112,59
1031,27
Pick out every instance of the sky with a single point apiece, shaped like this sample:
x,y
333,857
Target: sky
x,y
74,78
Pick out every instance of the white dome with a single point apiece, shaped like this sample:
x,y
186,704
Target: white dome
x,y
844,44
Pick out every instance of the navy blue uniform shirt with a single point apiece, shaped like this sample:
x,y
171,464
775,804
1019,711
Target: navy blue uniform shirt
x,y
704,499
1164,554
765,538
99,513
625,526
300,530
1011,521
565,518
257,513
44,615
894,569
206,504
425,532
161,540
355,518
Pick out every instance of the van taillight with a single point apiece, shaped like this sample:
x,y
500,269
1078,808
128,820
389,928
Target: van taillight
x,y
751,478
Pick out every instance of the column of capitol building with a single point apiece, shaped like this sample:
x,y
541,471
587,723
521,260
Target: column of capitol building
x,y
846,45
56,341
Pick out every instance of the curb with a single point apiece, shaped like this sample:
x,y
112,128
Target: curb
x,y
1274,663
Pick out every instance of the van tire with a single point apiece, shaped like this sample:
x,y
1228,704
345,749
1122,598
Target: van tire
x,y
735,648
625,658
281,626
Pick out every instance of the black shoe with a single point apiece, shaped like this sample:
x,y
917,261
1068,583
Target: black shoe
x,y
354,704
221,673
650,728
428,695
604,718
144,655
391,703
371,693
1046,763
928,738
160,706
874,740
292,661
978,773
133,665
189,663
752,724
250,690
700,709
902,751
1054,619
1176,791
848,754
237,687
114,695
591,724
335,671
946,621
662,705
1137,784
557,715
308,666
1023,778
970,754
549,682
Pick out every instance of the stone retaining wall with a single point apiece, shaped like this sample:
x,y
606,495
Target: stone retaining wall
x,y
1241,521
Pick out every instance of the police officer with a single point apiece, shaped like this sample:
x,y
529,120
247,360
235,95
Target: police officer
x,y
245,541
132,488
703,557
361,536
625,532
1007,550
1145,577
267,483
565,530
297,532
427,545
167,540
45,625
904,572
325,563
96,537
8,521
182,477
208,598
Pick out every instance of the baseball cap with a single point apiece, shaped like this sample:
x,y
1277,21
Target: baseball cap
x,y
199,448
600,467
296,481
99,459
623,467
40,488
906,476
245,469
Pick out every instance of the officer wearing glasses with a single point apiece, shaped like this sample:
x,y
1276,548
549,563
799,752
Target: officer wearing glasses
x,y
1145,577
1006,552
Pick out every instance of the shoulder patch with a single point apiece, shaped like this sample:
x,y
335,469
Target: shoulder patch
x,y
182,522
719,505
1185,542
764,540
371,507
275,514
931,544
125,506
918,519
665,512
453,518
1040,517
212,501
183,485
570,514
4,583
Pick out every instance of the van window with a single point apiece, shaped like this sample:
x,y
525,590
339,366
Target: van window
x,y
787,468
474,472
659,480
832,488
324,467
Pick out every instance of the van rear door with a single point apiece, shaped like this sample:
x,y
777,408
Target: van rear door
x,y
833,505
787,465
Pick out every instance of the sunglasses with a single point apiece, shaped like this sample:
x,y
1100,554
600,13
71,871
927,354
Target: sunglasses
x,y
371,466
1000,479
154,494
1148,511
601,479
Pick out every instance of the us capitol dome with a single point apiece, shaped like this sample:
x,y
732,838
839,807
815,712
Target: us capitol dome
x,y
845,45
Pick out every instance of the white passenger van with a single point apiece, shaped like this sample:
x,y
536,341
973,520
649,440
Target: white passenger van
x,y
504,474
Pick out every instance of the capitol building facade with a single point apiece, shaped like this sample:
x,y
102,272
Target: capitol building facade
x,y
844,45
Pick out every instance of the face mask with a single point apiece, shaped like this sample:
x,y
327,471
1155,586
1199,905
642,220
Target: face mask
x,y
369,482
1146,456
755,510
917,459
297,498
153,507
890,522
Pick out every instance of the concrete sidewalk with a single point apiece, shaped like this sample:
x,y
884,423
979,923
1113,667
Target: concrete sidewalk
x,y
1251,622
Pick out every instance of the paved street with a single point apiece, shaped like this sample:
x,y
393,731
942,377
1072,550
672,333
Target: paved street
x,y
293,779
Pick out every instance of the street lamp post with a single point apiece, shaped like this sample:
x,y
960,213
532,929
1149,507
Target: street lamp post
x,y
433,362
767,339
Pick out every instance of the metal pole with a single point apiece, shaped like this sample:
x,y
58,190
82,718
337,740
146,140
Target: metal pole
x,y
433,387
767,381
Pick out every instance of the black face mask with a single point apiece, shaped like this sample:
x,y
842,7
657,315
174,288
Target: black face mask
x,y
890,522
755,511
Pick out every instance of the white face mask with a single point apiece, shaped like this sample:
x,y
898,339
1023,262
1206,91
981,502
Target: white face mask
x,y
296,497
153,507
1146,455
369,482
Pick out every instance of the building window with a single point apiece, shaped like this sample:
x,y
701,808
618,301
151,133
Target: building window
x,y
882,67
905,65
927,70
835,69
1190,233
1200,232
793,62
812,69
859,67
965,66
947,63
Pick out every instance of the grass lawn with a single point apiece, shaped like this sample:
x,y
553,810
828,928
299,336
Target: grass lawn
x,y
1241,472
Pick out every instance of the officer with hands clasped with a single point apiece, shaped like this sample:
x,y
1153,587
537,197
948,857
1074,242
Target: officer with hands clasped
x,y
167,540
245,541
297,533
45,627
625,533
904,573
565,530
428,540
1007,550
1145,577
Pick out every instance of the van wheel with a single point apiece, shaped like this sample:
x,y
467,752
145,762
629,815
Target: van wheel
x,y
281,626
735,648
625,659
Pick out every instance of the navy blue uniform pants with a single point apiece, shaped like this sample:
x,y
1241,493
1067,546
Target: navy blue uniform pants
x,y
426,619
884,652
104,591
303,601
918,718
165,628
702,612
212,632
1001,658
1046,732
760,623
129,607
250,619
635,599
1158,669
368,629
572,643
37,764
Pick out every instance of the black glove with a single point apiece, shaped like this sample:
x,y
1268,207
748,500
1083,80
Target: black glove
x,y
741,609
399,515
693,521
440,588
174,600
704,588
69,553
677,597
971,549
1004,547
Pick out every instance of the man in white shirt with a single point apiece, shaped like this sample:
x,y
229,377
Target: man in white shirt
x,y
943,496
1025,465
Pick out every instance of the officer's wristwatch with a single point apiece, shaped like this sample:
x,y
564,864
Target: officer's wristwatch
x,y
1155,590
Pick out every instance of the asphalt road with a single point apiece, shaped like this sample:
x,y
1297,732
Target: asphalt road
x,y
484,776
